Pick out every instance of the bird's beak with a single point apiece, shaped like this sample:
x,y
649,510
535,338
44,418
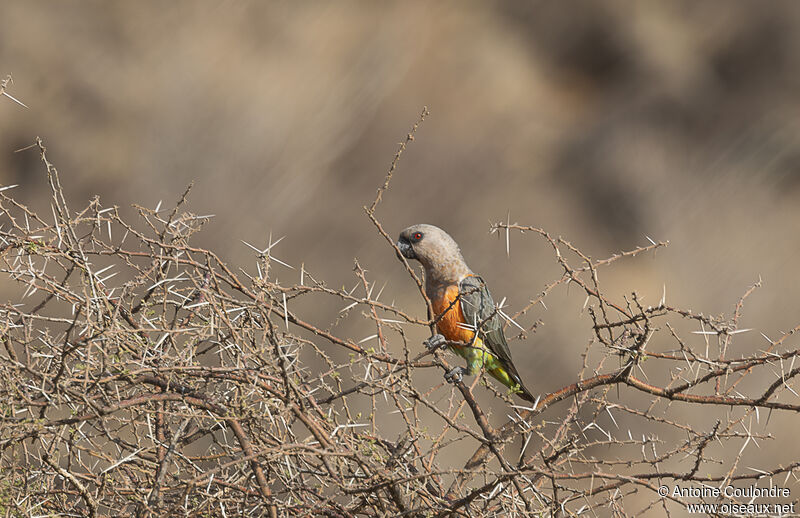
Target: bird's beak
x,y
406,249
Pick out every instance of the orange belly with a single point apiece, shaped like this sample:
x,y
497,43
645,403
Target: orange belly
x,y
448,324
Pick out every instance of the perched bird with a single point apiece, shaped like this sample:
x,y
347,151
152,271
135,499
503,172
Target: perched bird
x,y
462,305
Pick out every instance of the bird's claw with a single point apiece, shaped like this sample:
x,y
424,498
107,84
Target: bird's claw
x,y
455,375
434,342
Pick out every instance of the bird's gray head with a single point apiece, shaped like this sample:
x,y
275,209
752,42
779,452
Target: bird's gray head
x,y
436,250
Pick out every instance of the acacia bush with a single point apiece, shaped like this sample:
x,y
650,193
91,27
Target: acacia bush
x,y
142,375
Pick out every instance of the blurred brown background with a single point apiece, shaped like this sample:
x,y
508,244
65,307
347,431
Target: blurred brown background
x,y
603,122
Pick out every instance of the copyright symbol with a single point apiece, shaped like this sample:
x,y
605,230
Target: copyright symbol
x,y
663,490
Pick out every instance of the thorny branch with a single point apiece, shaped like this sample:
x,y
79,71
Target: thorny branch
x,y
141,375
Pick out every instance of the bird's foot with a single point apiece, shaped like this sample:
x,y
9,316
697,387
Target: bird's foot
x,y
435,342
455,375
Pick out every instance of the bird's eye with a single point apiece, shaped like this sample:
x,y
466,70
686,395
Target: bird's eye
x,y
416,236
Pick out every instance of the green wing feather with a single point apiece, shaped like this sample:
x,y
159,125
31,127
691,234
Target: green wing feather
x,y
478,308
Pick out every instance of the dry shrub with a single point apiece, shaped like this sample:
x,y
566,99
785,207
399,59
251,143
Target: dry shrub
x,y
141,375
